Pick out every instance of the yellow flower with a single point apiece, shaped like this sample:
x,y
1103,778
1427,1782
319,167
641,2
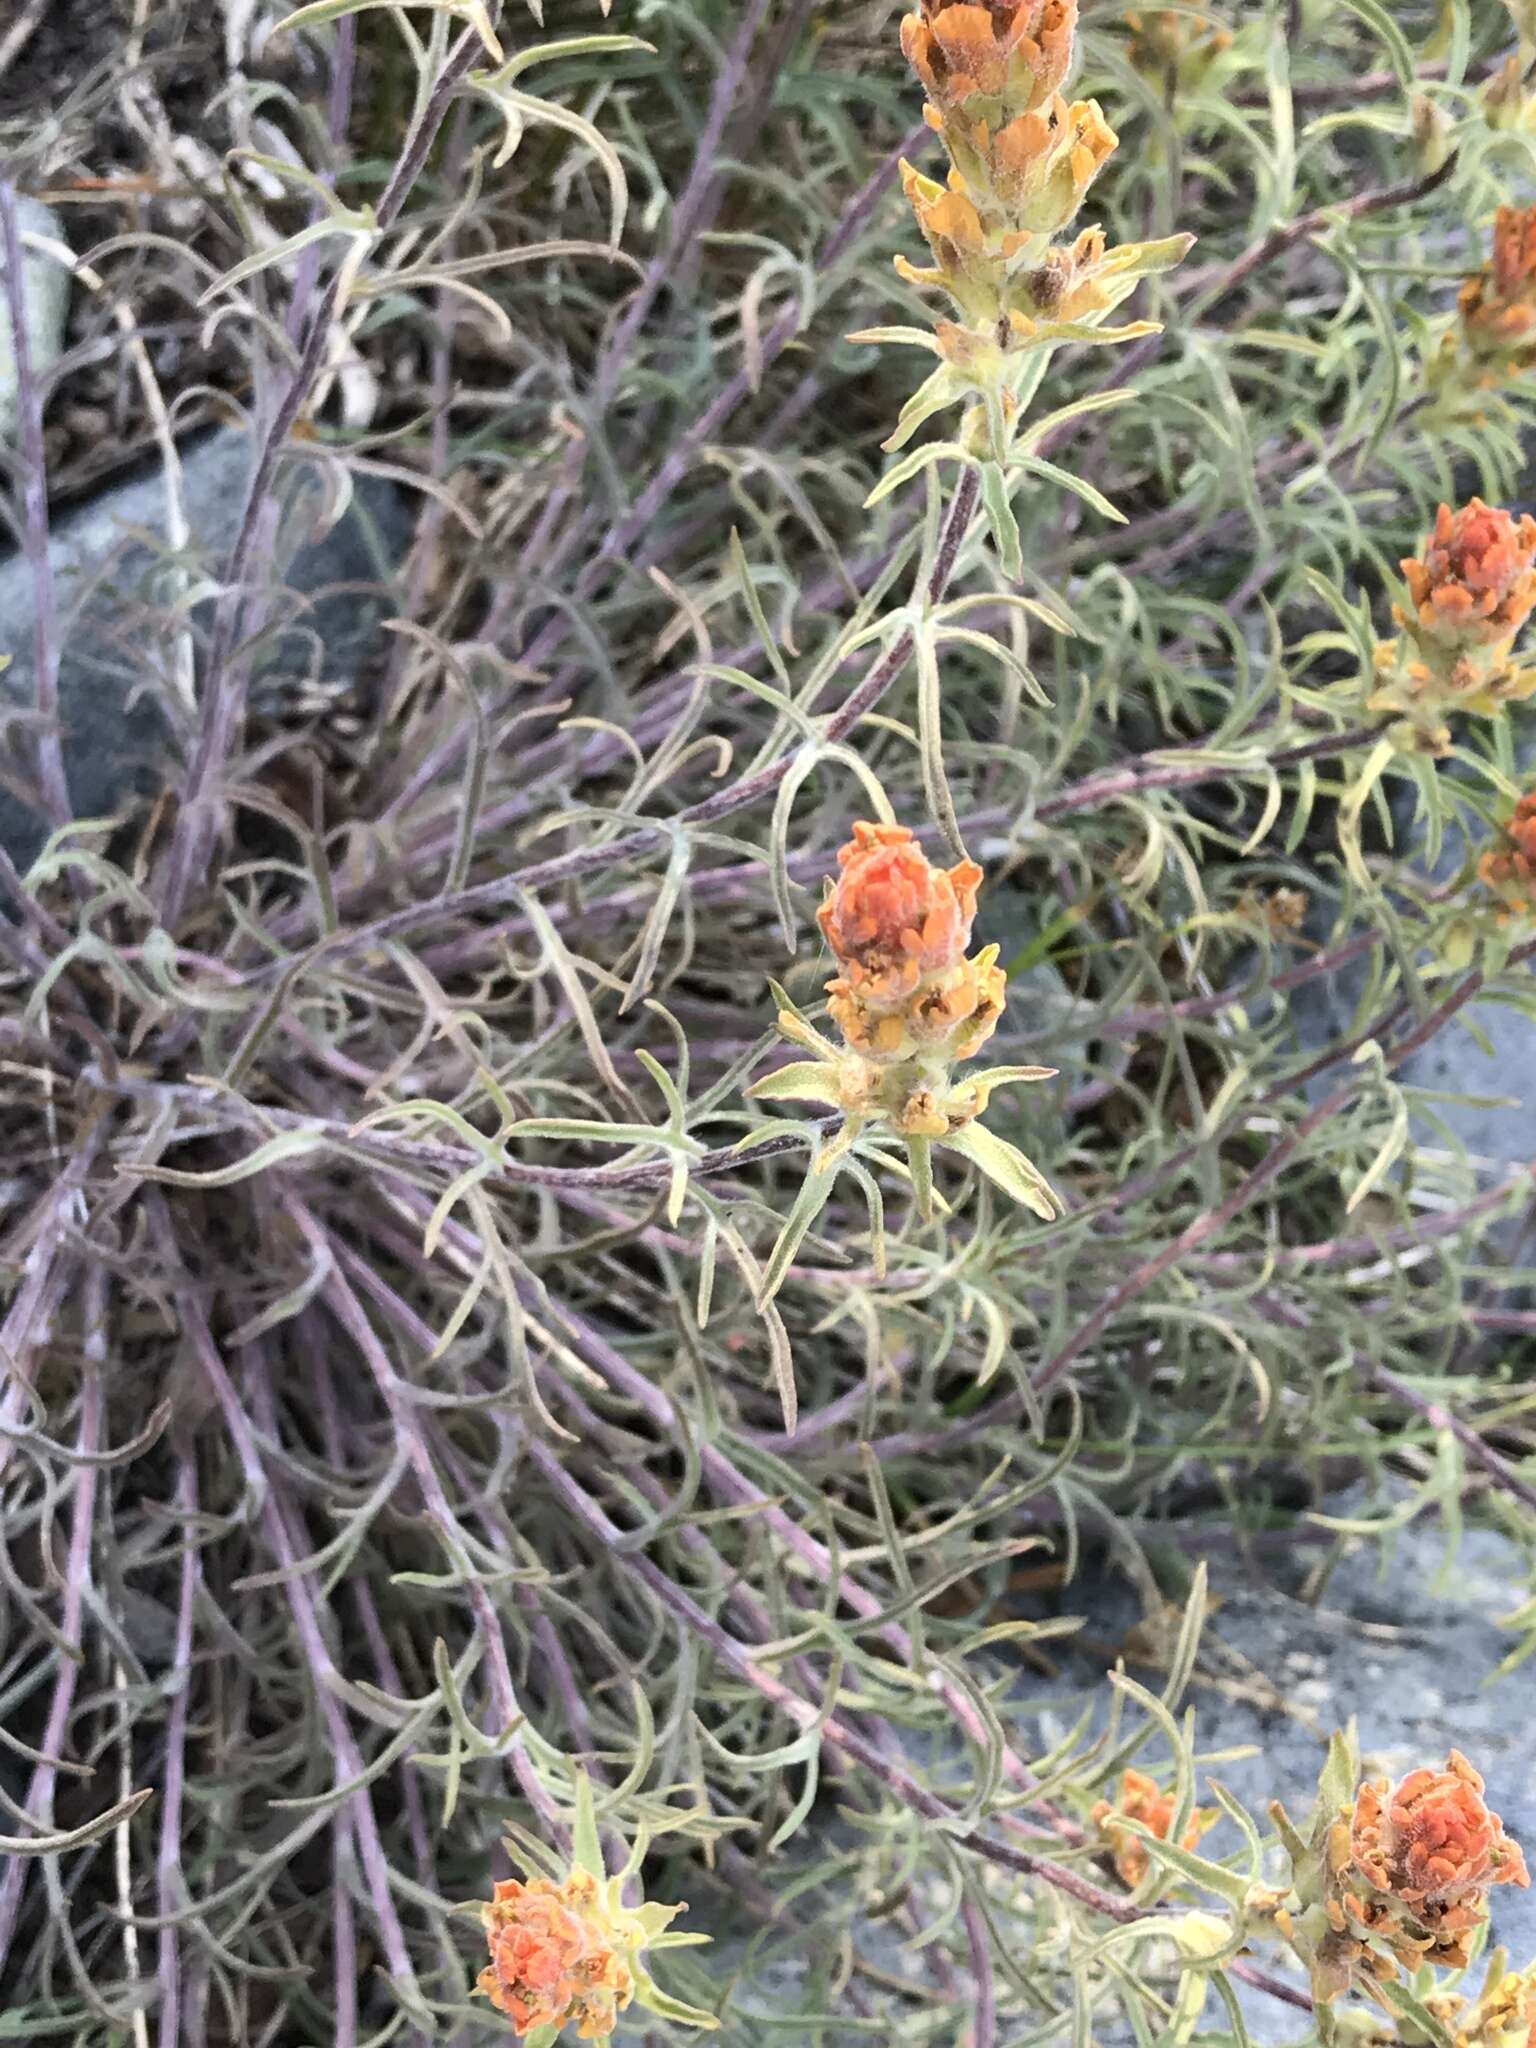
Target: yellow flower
x,y
1504,2015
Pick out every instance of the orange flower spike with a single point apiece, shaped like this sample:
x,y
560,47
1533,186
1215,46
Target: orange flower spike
x,y
554,1957
1476,581
1432,1842
893,918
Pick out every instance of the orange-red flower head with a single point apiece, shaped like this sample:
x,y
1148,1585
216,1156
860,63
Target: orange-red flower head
x,y
1430,1847
1476,581
899,927
555,1957
893,917
1143,1799
1012,54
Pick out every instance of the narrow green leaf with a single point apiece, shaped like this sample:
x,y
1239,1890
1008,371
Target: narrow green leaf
x,y
815,1190
1007,1166
800,1081
1005,527
585,1846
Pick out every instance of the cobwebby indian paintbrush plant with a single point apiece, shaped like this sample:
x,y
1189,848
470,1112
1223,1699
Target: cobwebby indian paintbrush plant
x,y
910,1007
1022,158
390,1257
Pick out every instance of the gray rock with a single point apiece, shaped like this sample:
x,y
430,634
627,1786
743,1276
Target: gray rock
x,y
45,301
115,580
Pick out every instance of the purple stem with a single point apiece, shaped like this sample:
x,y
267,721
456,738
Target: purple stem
x,y
621,542
224,688
729,1484
343,1936
169,1892
984,2015
346,1757
353,1318
51,1263
1499,1469
750,789
698,205
835,1732
77,1584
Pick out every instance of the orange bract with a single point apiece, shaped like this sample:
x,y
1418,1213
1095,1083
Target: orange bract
x,y
899,927
1514,251
1511,868
554,1957
1476,582
1142,1799
1016,52
1498,305
894,918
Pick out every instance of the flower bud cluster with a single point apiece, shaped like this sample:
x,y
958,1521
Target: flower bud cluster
x,y
1508,868
910,1005
556,1957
